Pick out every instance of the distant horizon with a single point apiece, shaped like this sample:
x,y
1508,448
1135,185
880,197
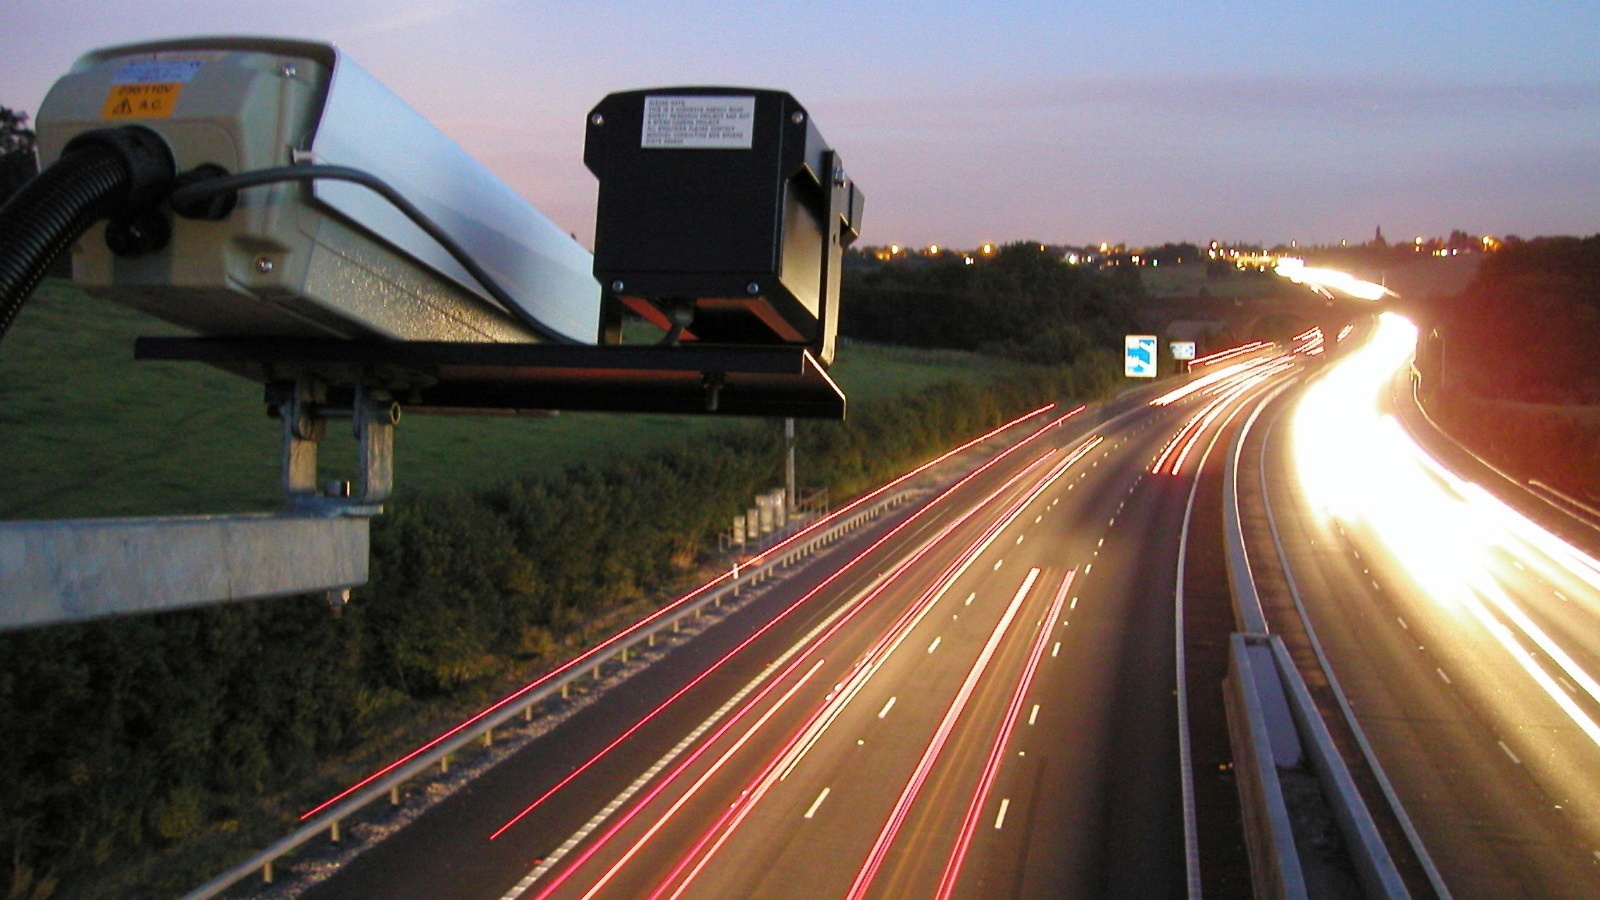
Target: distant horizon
x,y
970,124
1127,246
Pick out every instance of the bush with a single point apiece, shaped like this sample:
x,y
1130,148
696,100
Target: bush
x,y
126,735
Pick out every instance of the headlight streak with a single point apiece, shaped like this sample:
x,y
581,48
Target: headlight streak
x,y
1230,353
991,768
908,795
1567,559
600,650
817,640
1360,467
1208,380
1325,280
1502,601
784,762
1311,341
1172,457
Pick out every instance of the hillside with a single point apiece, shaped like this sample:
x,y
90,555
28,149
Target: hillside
x,y
87,431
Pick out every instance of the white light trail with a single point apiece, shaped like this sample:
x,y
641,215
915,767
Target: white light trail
x,y
1357,465
1298,272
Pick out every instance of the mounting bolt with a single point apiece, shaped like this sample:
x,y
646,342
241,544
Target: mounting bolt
x,y
289,71
264,265
597,120
797,117
752,288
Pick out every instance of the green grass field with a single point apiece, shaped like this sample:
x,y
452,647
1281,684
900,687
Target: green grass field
x,y
1191,279
87,431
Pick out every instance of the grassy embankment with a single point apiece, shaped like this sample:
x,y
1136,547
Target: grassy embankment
x,y
87,431
207,730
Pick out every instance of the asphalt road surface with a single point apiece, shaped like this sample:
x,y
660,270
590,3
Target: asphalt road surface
x,y
980,697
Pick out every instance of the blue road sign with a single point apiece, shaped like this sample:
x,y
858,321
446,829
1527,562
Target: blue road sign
x,y
1139,356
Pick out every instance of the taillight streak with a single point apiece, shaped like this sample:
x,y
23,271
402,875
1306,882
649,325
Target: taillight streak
x,y
913,787
700,782
837,625
828,519
1208,381
604,647
891,640
1221,355
809,733
777,769
894,572
991,768
815,642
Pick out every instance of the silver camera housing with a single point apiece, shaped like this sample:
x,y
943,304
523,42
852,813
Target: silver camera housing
x,y
326,259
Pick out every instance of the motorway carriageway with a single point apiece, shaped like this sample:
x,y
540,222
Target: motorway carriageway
x,y
1463,635
979,697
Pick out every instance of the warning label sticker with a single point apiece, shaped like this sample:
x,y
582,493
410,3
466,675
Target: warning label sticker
x,y
698,123
157,71
141,101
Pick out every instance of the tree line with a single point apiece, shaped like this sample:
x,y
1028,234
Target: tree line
x,y
1508,364
1023,303
18,161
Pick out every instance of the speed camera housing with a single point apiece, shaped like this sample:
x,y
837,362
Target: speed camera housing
x,y
320,259
722,215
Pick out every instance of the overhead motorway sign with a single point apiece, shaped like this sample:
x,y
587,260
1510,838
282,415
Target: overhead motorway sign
x,y
1139,355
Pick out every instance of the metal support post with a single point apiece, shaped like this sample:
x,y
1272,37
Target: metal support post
x,y
304,410
788,466
302,433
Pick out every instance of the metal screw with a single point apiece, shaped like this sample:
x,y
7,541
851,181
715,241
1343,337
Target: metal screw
x,y
597,120
617,286
797,117
289,71
752,288
263,265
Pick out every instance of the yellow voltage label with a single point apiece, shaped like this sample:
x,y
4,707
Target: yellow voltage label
x,y
141,101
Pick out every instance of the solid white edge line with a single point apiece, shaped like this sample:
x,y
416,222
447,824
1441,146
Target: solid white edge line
x,y
1435,879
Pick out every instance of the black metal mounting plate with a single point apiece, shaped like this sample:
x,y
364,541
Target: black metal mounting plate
x,y
438,377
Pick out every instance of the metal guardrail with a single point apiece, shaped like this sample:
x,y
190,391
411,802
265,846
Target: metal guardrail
x,y
1255,703
1285,759
588,665
1277,733
329,818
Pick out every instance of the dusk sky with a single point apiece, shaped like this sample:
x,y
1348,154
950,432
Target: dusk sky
x,y
1063,122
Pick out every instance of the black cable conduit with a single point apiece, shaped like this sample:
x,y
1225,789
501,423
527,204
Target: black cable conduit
x,y
101,174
